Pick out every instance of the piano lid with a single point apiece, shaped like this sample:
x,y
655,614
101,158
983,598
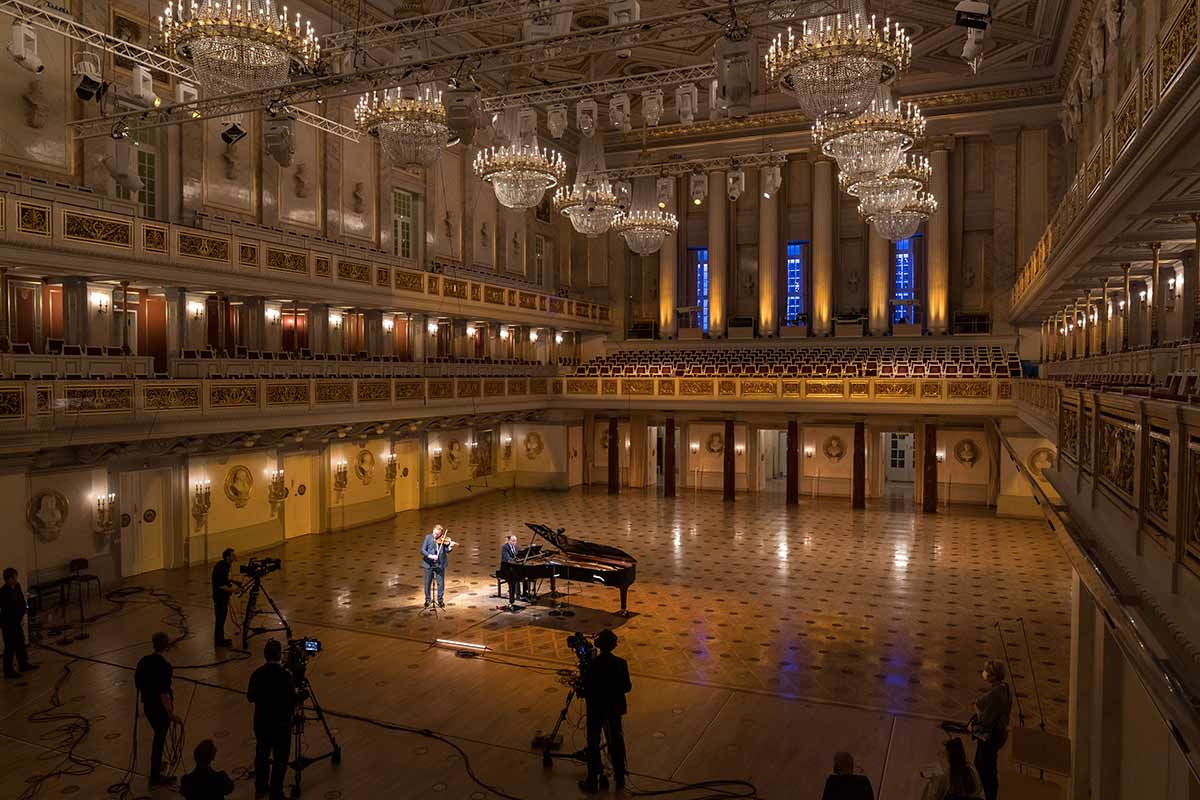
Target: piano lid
x,y
578,547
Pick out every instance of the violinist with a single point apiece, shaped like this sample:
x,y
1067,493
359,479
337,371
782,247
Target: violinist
x,y
435,550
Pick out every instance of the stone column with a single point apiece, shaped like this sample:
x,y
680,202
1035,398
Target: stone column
x,y
1187,299
729,466
668,292
318,328
1103,317
668,457
75,311
222,321
1086,327
176,320
416,336
639,451
5,335
373,332
879,282
821,317
768,264
125,318
614,457
1127,312
1004,222
929,469
718,255
859,480
937,268
793,463
1158,319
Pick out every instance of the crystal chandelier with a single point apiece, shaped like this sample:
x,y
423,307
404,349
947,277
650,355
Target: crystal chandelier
x,y
412,130
914,171
871,145
897,210
520,172
590,204
834,65
645,227
250,45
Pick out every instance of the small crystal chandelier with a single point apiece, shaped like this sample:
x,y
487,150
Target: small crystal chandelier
x,y
250,45
914,171
520,172
645,226
873,144
834,65
590,204
897,211
412,130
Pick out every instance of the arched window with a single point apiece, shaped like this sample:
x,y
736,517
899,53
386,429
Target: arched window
x,y
907,254
699,259
795,281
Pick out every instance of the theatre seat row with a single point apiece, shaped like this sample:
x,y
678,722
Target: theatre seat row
x,y
974,361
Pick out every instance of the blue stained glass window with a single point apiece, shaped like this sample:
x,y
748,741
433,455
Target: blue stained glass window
x,y
795,280
700,254
904,283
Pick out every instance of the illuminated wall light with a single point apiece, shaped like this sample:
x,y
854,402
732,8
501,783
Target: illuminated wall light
x,y
101,302
695,448
272,316
533,336
558,338
471,330
195,310
335,321
941,456
432,327
503,331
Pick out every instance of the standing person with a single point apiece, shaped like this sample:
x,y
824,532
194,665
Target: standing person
x,y
434,551
843,784
606,683
152,677
989,726
273,694
12,620
204,782
222,588
957,779
508,555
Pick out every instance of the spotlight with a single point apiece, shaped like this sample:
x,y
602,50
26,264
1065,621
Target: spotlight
x,y
23,47
618,112
972,51
280,139
771,179
122,166
652,106
187,93
623,12
141,88
714,99
585,117
556,120
687,99
232,132
735,184
697,187
664,190
462,113
622,190
119,130
89,85
734,59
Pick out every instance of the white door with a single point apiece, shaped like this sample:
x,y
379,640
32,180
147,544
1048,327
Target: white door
x,y
898,467
574,455
407,491
144,512
299,515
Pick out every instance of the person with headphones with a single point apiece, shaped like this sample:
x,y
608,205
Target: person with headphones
x,y
605,684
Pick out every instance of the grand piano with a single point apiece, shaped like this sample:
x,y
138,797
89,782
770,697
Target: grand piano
x,y
574,560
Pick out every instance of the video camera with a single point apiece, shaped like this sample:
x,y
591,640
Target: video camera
x,y
297,655
584,652
257,567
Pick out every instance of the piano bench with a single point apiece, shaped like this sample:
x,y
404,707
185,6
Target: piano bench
x,y
500,585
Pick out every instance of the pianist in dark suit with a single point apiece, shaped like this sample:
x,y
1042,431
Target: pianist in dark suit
x,y
508,555
605,686
435,550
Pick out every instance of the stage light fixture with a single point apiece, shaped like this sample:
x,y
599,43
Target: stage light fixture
x,y
556,120
232,132
652,106
23,47
585,117
687,100
618,112
697,187
735,183
89,84
280,139
771,178
664,190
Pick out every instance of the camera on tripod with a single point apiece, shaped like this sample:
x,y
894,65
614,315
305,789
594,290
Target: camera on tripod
x,y
257,567
583,649
298,653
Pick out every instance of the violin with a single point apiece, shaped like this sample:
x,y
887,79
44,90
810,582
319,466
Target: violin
x,y
447,542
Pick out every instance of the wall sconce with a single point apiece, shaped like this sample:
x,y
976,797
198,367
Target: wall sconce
x,y
432,327
101,302
435,461
739,450
1093,317
102,519
277,491
389,324
389,469
809,452
341,477
533,335
1121,305
695,448
503,331
195,310
941,456
471,330
335,321
201,500
558,338
272,316
506,443
1142,295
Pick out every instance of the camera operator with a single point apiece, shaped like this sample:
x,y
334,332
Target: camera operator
x,y
222,587
605,684
273,694
152,678
989,725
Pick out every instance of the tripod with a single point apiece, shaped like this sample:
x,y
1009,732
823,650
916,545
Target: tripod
x,y
253,591
548,743
307,706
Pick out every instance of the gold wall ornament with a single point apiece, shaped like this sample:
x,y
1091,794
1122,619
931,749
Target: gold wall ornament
x,y
527,300
410,389
334,392
97,399
248,254
441,390
966,452
533,445
287,394
931,390
409,281
608,386
1068,431
206,248
239,395
154,239
969,390
1040,460
493,387
239,485
468,388
1116,456
32,218
537,386
493,295
1158,474
715,444
518,387
287,261
1192,524
364,466
374,391
168,397
638,386
454,450
454,288
91,229
321,267
895,389
695,387
47,513
581,385
1085,445
834,449
822,388
12,403
758,388
355,271
666,387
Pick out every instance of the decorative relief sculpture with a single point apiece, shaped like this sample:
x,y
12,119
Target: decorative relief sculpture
x,y
47,513
239,485
834,449
300,180
448,225
36,105
1116,454
1040,460
229,162
364,466
533,445
966,452
1159,483
484,237
715,444
358,198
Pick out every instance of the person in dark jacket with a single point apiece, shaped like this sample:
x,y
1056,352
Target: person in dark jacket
x,y
152,678
223,587
605,685
435,549
273,694
989,725
12,621
843,784
204,782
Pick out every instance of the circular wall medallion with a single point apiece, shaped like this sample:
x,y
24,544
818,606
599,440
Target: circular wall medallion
x,y
715,444
534,445
404,472
966,452
364,466
149,515
301,490
46,513
239,484
126,520
1040,460
834,449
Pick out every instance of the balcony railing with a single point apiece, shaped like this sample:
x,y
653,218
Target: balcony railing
x,y
1157,84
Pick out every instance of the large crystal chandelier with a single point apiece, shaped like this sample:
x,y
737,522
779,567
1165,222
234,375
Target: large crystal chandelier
x,y
896,210
251,44
520,172
645,226
914,171
412,130
834,64
873,144
590,204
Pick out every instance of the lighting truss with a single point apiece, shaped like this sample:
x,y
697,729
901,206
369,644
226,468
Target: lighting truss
x,y
156,62
578,91
772,158
495,58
